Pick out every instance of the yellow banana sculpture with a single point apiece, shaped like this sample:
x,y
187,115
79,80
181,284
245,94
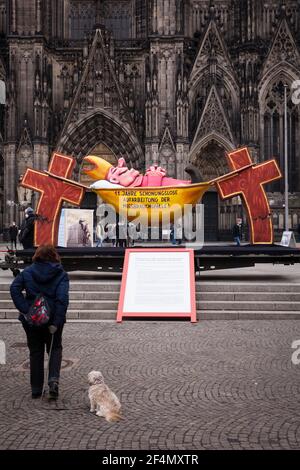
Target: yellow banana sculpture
x,y
147,202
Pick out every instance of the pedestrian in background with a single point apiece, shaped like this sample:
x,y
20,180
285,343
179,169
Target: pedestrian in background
x,y
237,232
13,233
100,235
45,276
26,234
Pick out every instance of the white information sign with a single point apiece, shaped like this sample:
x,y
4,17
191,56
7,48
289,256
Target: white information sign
x,y
158,282
288,239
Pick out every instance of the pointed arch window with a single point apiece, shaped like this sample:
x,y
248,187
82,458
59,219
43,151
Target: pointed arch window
x,y
274,131
118,17
82,18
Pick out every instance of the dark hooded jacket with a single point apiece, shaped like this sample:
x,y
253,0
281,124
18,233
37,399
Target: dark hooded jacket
x,y
13,232
236,230
47,278
26,236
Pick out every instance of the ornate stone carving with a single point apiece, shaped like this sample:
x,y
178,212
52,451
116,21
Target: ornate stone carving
x,y
24,150
211,47
283,48
213,119
167,151
98,88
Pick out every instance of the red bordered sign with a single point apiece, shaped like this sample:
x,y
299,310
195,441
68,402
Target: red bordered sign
x,y
158,283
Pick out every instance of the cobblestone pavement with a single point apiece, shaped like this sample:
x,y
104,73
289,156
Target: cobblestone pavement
x,y
213,385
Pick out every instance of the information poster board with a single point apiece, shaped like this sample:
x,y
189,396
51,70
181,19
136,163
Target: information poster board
x,y
76,228
288,239
158,283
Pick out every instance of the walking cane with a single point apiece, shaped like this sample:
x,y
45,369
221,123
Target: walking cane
x,y
48,364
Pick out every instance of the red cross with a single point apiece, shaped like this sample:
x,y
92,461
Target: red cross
x,y
248,184
53,193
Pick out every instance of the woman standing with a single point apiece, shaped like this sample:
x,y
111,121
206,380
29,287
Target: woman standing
x,y
45,276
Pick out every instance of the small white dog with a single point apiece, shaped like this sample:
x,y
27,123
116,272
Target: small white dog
x,y
102,399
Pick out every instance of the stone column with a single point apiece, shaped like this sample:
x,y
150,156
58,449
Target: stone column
x,y
182,160
10,181
38,16
13,16
40,156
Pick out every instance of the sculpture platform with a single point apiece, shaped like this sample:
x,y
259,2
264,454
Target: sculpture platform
x,y
210,257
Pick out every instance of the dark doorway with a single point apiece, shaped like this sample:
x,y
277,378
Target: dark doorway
x,y
89,201
211,216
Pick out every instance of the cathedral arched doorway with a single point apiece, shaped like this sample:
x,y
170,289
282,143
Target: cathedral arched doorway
x,y
211,160
103,135
84,135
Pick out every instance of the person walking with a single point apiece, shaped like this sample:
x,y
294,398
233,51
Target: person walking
x,y
100,235
237,233
172,234
45,276
26,234
178,231
13,233
121,232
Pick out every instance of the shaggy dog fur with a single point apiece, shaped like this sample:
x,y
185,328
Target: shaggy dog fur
x,y
102,399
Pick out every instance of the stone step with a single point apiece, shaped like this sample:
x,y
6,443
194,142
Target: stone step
x,y
202,296
204,286
247,315
201,315
82,286
77,295
253,305
246,287
98,300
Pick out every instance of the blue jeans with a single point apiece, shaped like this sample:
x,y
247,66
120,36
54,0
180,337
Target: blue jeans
x,y
37,339
237,241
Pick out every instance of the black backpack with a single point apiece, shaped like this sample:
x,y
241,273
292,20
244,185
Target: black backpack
x,y
39,312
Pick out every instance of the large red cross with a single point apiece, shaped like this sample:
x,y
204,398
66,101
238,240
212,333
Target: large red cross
x,y
53,193
248,184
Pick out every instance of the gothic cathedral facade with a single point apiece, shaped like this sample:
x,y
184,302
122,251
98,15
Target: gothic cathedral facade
x,y
154,81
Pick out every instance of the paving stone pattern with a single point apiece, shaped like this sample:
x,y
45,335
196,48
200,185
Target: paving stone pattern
x,y
213,385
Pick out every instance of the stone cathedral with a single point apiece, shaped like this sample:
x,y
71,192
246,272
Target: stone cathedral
x,y
154,81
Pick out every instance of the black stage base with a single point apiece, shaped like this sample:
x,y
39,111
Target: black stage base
x,y
110,259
